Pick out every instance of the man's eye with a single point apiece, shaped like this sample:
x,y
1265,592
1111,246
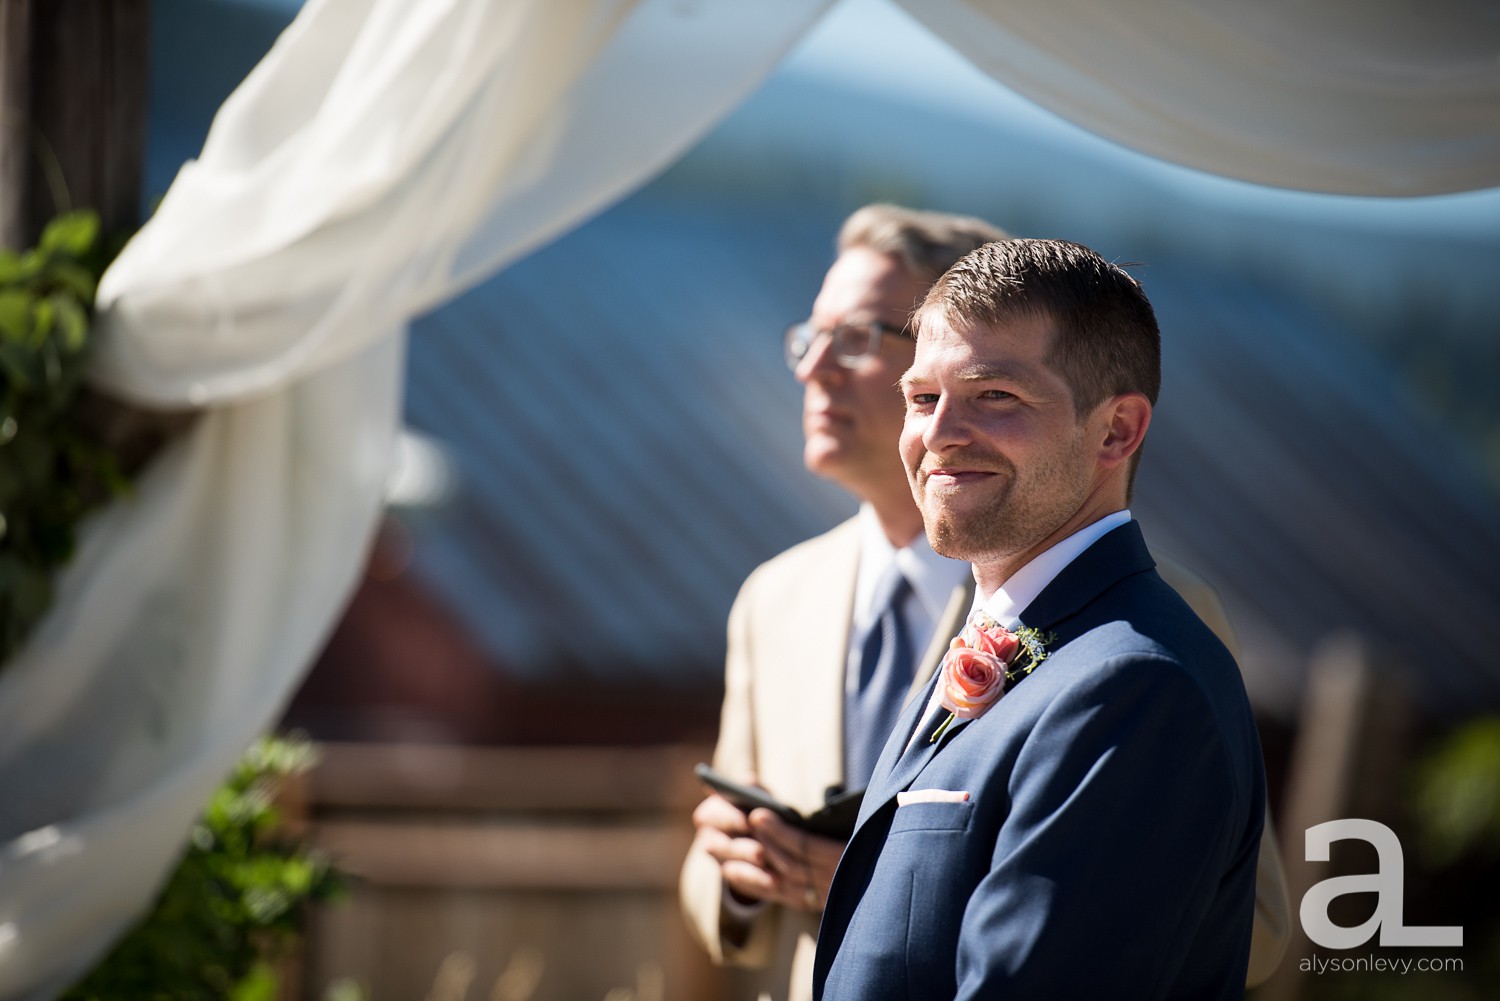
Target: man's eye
x,y
996,394
922,399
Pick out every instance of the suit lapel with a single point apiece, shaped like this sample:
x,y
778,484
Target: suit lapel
x,y
907,763
895,760
1118,554
817,685
827,641
923,749
948,625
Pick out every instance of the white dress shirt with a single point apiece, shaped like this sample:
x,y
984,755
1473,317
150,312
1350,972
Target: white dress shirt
x,y
1010,600
1007,603
932,578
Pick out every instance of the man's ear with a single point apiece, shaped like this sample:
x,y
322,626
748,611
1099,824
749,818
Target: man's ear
x,y
1125,419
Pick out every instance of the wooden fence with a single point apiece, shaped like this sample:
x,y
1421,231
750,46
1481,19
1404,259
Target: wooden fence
x,y
530,874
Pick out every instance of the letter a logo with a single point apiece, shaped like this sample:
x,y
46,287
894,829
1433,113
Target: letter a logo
x,y
1388,885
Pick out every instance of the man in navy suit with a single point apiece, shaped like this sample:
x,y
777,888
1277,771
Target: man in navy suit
x,y
1093,833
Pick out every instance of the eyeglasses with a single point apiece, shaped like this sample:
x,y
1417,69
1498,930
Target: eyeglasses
x,y
853,343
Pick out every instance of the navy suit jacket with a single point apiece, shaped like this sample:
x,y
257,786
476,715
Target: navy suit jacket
x,y
1108,845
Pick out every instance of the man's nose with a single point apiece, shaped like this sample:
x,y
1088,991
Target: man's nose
x,y
820,363
947,427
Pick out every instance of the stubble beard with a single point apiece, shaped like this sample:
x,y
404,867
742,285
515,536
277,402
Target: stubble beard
x,y
1010,522
970,534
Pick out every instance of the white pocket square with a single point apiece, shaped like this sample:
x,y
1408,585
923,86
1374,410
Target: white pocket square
x,y
911,796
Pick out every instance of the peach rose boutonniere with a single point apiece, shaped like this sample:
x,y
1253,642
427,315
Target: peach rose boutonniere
x,y
981,664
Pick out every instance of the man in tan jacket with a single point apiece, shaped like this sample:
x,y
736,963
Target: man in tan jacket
x,y
817,631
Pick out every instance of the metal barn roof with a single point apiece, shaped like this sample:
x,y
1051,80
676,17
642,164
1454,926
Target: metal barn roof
x,y
627,446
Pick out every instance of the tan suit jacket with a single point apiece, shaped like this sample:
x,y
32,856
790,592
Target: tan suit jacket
x,y
782,724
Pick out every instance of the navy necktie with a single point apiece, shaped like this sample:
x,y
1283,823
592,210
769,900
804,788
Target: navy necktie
x,y
873,703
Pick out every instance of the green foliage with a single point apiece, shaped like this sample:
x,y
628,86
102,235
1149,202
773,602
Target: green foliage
x,y
234,902
52,470
1458,798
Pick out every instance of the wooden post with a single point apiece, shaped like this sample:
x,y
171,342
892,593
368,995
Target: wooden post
x,y
1350,743
73,83
73,86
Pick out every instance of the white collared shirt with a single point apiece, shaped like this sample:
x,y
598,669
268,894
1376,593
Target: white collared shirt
x,y
1010,600
1022,587
932,579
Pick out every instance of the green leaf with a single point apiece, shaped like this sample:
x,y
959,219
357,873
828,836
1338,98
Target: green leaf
x,y
73,234
54,468
72,322
32,264
10,267
1460,792
15,314
52,364
223,916
42,315
258,985
74,278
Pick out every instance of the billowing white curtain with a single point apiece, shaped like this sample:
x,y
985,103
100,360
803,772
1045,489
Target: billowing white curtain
x,y
1385,97
387,154
383,156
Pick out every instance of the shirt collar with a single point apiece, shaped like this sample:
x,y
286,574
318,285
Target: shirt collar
x,y
1006,604
932,577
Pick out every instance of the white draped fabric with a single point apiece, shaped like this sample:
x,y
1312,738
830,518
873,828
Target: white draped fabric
x,y
382,157
1378,98
388,154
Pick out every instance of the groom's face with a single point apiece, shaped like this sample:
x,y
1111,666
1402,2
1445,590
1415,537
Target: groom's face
x,y
996,457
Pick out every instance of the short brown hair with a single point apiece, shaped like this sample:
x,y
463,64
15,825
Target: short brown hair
x,y
928,243
1105,341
